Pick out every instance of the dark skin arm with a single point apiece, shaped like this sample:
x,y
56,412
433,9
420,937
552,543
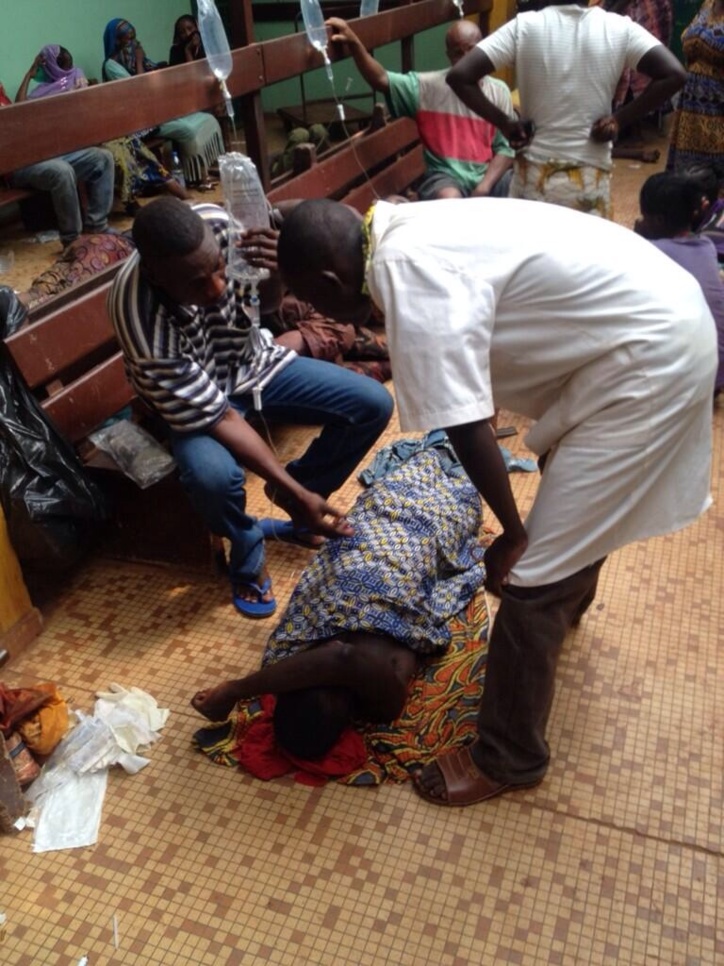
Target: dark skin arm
x,y
306,508
371,70
499,164
667,77
376,669
22,94
477,450
464,78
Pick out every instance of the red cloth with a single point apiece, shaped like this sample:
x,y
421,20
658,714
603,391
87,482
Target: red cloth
x,y
258,753
16,704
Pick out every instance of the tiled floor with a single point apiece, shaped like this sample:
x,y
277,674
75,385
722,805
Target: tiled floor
x,y
616,858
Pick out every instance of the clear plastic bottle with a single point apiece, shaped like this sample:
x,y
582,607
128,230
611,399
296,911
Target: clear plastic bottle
x,y
177,171
248,208
213,36
314,24
368,8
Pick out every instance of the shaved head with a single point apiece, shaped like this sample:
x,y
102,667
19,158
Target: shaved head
x,y
460,39
321,259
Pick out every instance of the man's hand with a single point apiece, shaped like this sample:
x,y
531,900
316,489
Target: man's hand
x,y
310,511
519,133
500,558
605,129
341,32
259,247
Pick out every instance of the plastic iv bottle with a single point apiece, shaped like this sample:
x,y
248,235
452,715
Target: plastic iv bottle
x,y
177,171
213,36
314,24
247,206
368,8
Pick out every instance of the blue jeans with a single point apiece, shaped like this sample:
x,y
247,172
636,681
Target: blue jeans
x,y
60,176
353,411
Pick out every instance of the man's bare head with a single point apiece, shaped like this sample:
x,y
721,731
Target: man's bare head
x,y
460,39
321,260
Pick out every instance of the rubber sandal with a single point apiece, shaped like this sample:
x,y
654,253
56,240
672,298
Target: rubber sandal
x,y
254,608
284,530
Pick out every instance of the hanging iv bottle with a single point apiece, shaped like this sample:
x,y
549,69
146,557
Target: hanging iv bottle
x,y
247,207
368,8
314,24
213,36
316,31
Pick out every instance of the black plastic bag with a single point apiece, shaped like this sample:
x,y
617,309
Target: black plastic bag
x,y
51,506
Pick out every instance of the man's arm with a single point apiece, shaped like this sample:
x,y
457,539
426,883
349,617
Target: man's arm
x,y
480,456
465,77
370,69
306,508
667,77
499,164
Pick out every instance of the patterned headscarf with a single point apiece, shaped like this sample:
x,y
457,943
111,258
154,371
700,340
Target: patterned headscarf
x,y
59,80
119,44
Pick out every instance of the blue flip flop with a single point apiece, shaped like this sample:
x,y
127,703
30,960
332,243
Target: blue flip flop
x,y
284,530
254,608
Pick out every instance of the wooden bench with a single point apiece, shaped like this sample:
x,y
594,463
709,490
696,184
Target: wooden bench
x,y
68,354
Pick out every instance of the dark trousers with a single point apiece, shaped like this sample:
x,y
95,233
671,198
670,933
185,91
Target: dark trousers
x,y
525,643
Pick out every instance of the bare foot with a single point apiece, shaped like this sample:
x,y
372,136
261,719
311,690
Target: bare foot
x,y
248,593
217,703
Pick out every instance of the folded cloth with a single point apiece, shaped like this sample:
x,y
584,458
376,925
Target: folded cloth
x,y
42,731
17,704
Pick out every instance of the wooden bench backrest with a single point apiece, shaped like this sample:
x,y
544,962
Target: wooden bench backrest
x,y
70,359
37,129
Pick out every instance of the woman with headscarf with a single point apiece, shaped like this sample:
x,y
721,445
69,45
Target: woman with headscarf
x,y
197,137
136,167
188,46
53,71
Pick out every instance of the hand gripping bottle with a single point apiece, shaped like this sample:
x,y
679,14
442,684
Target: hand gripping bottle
x,y
247,207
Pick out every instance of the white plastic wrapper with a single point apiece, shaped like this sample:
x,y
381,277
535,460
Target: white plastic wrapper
x,y
137,453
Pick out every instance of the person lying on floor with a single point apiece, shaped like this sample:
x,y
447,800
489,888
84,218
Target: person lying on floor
x,y
367,610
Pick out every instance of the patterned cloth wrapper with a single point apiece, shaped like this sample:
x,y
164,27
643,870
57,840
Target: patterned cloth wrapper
x,y
440,714
413,562
578,186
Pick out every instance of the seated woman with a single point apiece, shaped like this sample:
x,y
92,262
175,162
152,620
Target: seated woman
x,y
186,47
671,205
368,610
197,136
136,167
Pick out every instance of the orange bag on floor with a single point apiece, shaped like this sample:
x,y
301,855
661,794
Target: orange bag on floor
x,y
42,731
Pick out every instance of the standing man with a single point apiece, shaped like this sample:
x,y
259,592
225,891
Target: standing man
x,y
464,155
193,355
568,59
576,323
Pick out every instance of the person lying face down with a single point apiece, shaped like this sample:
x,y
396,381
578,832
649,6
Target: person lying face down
x,y
367,610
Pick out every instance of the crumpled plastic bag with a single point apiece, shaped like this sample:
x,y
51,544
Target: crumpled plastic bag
x,y
137,453
132,714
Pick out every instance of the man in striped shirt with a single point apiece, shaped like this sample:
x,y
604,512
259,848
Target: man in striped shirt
x,y
194,356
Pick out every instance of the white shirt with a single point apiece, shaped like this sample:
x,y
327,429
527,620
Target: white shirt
x,y
575,322
567,63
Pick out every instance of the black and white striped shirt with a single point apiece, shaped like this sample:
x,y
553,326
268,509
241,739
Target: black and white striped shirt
x,y
185,361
